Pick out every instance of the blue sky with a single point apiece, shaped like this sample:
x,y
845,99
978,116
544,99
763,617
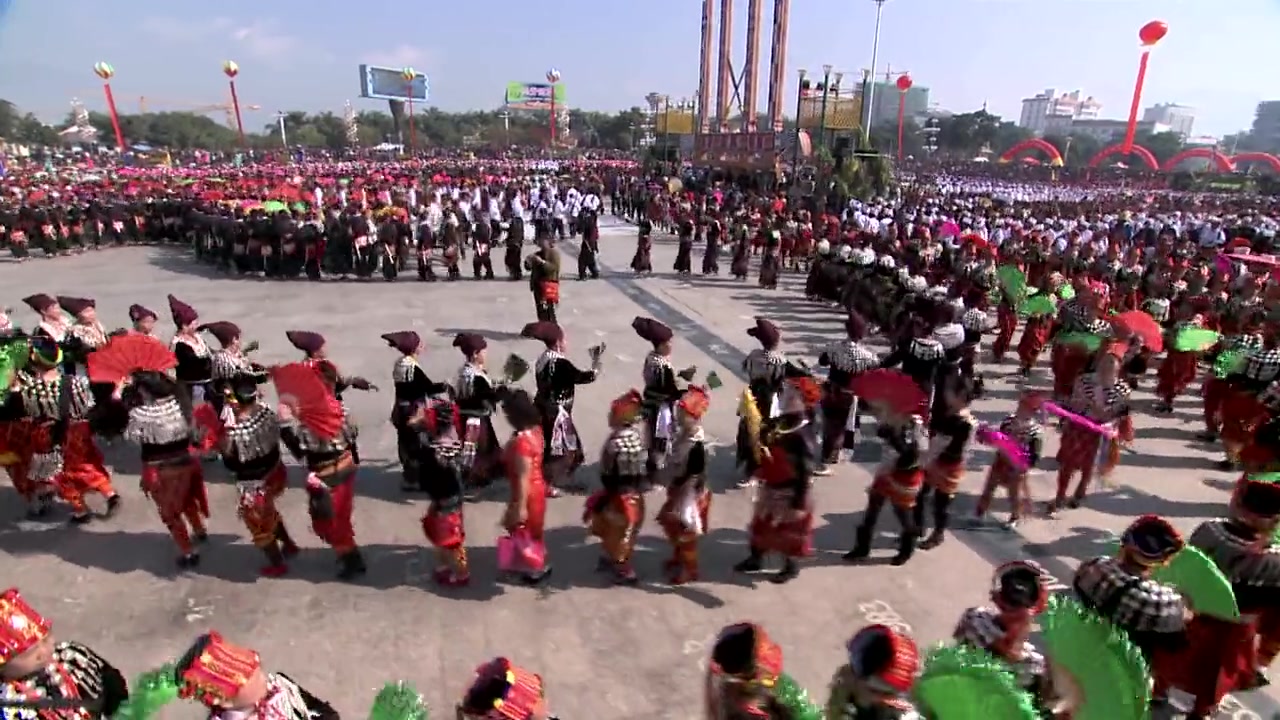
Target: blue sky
x,y
612,54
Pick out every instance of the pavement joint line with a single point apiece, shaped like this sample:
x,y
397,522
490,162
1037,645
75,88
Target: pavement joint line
x,y
985,545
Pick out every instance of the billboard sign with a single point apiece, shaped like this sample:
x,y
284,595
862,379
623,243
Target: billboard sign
x,y
534,96
384,83
758,150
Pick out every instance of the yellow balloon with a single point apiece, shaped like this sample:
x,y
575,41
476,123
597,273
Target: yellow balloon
x,y
230,68
408,74
104,70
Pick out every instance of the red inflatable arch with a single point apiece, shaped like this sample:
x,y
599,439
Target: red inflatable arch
x,y
1028,160
1267,159
1221,162
1142,153
1055,157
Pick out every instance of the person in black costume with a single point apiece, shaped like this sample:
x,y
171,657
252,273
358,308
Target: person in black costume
x,y
557,380
477,396
919,354
43,678
412,389
662,388
229,680
951,426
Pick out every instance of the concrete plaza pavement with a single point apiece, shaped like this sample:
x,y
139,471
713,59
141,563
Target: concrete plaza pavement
x,y
605,652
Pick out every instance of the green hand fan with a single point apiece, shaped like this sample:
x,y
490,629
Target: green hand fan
x,y
1037,305
1013,282
1195,340
398,701
1230,363
795,699
13,357
1108,669
1200,581
299,206
714,381
1264,477
1066,292
960,682
514,368
1088,341
150,692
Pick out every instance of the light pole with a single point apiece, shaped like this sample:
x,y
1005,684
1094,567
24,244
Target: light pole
x,y
284,139
795,151
822,119
870,95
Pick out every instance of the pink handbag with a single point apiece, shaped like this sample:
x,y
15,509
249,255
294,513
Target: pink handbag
x,y
518,552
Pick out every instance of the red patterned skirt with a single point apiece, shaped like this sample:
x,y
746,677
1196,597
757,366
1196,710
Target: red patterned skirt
x,y
443,525
672,515
1219,657
777,527
945,477
257,505
615,519
1003,473
176,487
899,487
1078,449
1176,372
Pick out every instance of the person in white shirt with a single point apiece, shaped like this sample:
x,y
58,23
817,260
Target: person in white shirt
x,y
559,213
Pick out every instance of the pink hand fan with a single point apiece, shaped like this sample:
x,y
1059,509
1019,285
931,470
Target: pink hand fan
x,y
1082,421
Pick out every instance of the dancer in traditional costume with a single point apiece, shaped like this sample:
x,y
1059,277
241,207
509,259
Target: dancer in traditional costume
x,y
877,681
846,360
684,516
62,449
1121,590
331,479
503,691
1024,428
526,513
662,388
230,681
952,427
1224,656
314,349
1019,593
412,390
43,679
195,373
142,320
171,476
1081,314
782,520
896,483
229,363
1103,398
53,324
544,278
250,445
616,513
1242,410
766,370
442,477
85,334
477,397
557,379
745,679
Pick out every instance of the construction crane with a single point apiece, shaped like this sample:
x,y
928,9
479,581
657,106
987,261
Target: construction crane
x,y
229,110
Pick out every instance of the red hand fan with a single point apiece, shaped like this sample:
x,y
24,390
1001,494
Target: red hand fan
x,y
892,388
301,387
124,355
1136,322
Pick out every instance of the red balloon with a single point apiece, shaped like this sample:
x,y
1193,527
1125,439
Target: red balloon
x,y
904,82
1153,32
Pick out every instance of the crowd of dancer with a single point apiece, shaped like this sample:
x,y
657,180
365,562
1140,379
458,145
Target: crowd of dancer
x,y
1111,295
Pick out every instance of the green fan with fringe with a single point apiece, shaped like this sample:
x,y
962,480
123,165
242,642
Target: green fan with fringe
x,y
1109,671
14,354
1089,341
1013,282
1230,362
150,692
961,682
1066,292
795,699
1038,305
398,701
1194,339
1198,579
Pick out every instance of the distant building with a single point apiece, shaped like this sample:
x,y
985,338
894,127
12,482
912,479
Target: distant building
x,y
1180,118
1266,126
885,109
1049,113
1110,130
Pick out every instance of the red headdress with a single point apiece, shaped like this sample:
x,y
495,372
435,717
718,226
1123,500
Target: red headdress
x,y
503,691
21,627
744,652
625,408
695,401
214,671
887,659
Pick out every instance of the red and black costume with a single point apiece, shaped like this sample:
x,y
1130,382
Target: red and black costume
x,y
440,471
876,683
412,389
897,482
502,690
846,360
222,676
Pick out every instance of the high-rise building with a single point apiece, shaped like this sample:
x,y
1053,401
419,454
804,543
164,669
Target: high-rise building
x,y
1266,126
887,94
1048,111
1180,118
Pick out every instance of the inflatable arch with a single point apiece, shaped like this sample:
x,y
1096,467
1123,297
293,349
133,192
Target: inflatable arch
x,y
1028,160
1267,159
1142,154
1055,157
1221,162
